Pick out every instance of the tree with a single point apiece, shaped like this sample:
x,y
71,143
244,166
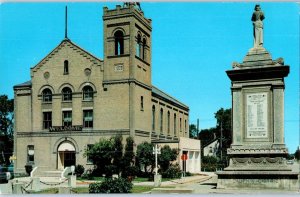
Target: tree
x,y
207,135
193,132
6,127
128,157
145,157
297,154
167,155
101,154
224,132
118,152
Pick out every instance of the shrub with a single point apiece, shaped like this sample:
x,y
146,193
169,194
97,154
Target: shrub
x,y
172,172
109,185
130,171
110,170
79,170
28,168
88,175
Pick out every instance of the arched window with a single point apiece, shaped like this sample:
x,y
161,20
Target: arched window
x,y
144,49
180,125
161,120
47,95
175,125
153,118
87,93
66,94
168,123
138,46
119,42
66,67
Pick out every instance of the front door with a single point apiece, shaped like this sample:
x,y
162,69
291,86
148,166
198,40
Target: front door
x,y
69,158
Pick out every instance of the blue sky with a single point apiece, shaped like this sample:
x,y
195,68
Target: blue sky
x,y
193,44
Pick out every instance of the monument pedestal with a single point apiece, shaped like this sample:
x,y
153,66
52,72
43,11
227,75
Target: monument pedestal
x,y
283,180
257,153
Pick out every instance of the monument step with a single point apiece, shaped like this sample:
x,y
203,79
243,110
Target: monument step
x,y
51,173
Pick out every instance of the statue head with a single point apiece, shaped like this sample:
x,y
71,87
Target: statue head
x,y
257,7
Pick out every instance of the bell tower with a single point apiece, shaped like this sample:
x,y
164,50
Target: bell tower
x,y
127,67
127,44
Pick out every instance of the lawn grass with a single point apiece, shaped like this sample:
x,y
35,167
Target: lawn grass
x,y
85,190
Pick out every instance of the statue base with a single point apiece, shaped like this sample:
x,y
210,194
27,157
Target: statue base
x,y
282,180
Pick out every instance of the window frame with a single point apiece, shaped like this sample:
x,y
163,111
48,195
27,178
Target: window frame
x,y
86,92
45,94
66,67
67,123
89,123
30,157
66,94
47,122
119,42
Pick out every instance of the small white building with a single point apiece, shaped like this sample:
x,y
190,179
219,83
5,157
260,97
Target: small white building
x,y
211,148
186,146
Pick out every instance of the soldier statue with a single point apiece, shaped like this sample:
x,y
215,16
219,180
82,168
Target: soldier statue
x,y
257,18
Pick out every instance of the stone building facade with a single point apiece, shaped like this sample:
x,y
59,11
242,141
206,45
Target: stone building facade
x,y
75,98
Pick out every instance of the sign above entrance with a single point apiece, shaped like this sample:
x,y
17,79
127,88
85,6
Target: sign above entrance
x,y
65,128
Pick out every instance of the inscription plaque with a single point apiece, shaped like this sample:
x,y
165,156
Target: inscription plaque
x,y
257,115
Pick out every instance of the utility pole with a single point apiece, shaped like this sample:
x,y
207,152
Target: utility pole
x,y
197,127
221,139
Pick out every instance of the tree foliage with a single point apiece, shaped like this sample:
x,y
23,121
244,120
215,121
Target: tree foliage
x,y
223,127
6,128
108,158
118,152
101,154
128,158
144,156
193,132
297,154
119,185
167,155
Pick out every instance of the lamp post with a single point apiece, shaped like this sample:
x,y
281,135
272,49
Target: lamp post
x,y
157,177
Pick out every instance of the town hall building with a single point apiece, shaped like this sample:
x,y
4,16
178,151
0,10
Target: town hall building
x,y
74,98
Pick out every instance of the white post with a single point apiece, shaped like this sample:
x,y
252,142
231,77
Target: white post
x,y
155,159
157,177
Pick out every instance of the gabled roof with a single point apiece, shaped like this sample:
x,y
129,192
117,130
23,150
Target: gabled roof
x,y
161,95
76,48
210,142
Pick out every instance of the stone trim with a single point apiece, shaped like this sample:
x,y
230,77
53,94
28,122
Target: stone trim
x,y
72,133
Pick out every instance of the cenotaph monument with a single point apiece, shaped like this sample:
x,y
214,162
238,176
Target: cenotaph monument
x,y
258,152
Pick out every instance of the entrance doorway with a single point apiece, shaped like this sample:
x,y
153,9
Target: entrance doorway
x,y
66,155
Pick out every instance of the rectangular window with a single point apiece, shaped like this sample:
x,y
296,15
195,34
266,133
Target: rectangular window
x,y
67,118
88,159
47,120
88,118
142,103
30,154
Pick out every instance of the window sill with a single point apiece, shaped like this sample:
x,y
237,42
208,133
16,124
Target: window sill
x,y
68,101
46,102
88,100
